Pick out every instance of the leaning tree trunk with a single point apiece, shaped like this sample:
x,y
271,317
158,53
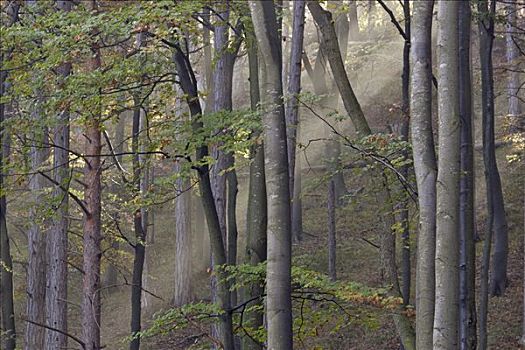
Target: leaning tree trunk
x,y
447,187
189,87
279,303
292,108
92,236
425,167
467,254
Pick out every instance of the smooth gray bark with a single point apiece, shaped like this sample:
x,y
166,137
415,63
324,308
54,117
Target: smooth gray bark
x,y
354,21
447,185
292,107
279,303
425,167
256,216
467,255
513,53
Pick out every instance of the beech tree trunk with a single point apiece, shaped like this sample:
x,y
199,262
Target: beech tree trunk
x,y
292,108
498,281
188,84
425,167
92,237
467,255
256,216
279,303
447,186
354,21
331,231
8,337
513,53
330,47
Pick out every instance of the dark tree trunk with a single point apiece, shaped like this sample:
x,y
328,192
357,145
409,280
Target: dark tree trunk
x,y
8,338
292,109
467,252
140,233
501,245
497,225
189,86
403,205
92,236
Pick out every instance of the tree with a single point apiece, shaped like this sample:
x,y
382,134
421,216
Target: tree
x,y
8,339
447,185
292,113
188,85
467,254
279,303
92,237
425,167
331,231
256,215
57,235
513,85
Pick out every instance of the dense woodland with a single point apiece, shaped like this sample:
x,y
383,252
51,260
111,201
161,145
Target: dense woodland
x,y
227,174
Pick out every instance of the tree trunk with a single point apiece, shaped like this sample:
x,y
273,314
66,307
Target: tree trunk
x,y
330,47
36,262
501,245
447,188
189,86
467,255
183,271
497,225
111,275
279,304
8,330
331,231
354,21
513,54
403,204
425,168
292,106
92,237
140,232
256,216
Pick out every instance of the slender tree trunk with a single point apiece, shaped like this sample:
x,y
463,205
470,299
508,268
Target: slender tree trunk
x,y
331,231
447,187
36,262
92,237
111,275
140,232
403,204
183,271
57,236
467,256
330,47
355,35
279,304
425,168
8,330
189,87
256,217
501,245
513,84
292,109
496,214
